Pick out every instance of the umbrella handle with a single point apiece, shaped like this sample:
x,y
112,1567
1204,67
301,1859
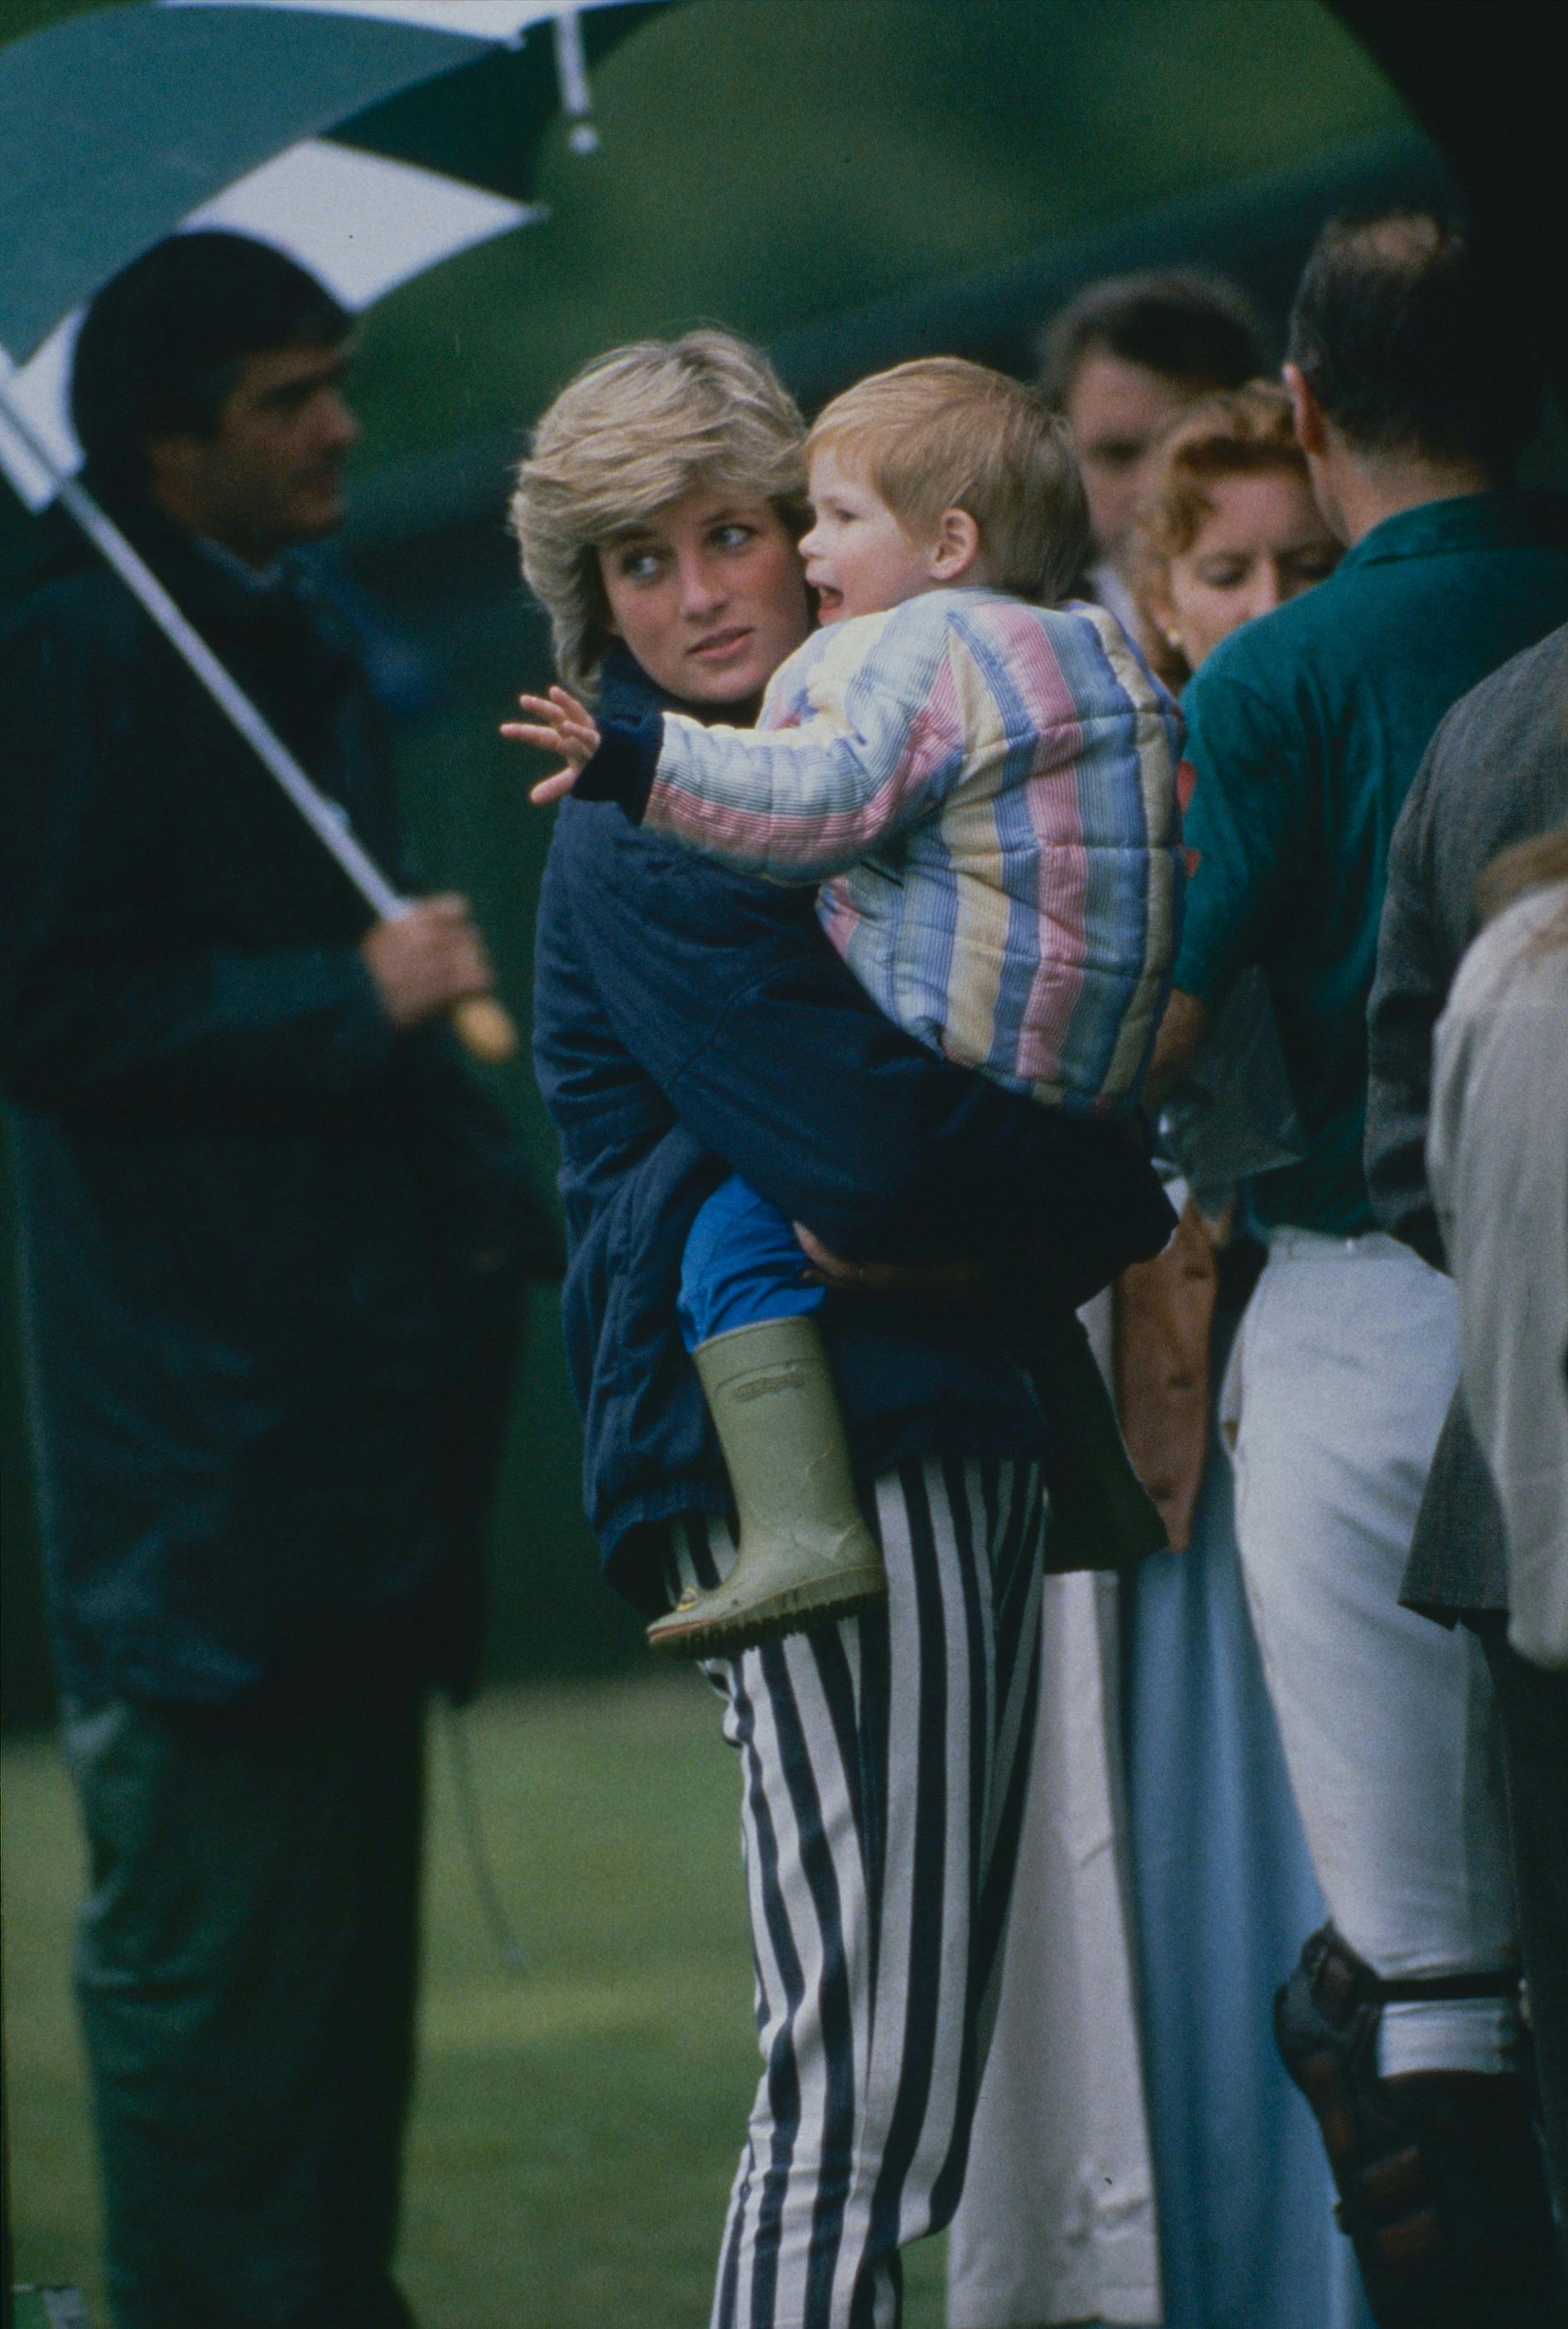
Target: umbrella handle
x,y
484,1028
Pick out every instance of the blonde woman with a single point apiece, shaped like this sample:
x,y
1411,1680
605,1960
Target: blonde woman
x,y
692,1022
983,783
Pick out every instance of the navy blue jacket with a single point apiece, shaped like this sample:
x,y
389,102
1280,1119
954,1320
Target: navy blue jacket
x,y
272,1252
691,1020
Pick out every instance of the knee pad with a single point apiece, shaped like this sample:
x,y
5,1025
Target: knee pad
x,y
1441,2185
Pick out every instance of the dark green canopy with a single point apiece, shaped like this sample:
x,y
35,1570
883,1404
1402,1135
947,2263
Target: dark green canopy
x,y
115,124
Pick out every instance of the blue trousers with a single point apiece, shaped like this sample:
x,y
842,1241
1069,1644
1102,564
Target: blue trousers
x,y
742,1265
246,1964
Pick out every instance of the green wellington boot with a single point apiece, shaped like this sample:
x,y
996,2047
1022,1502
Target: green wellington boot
x,y
806,1554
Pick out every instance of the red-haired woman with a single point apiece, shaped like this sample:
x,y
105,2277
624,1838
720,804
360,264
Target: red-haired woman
x,y
1222,1886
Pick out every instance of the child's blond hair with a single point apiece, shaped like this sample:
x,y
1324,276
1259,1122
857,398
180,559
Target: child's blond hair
x,y
941,433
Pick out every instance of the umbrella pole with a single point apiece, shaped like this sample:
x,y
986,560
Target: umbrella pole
x,y
479,1022
571,73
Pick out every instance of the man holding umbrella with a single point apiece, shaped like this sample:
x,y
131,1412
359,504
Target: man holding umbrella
x,y
275,1246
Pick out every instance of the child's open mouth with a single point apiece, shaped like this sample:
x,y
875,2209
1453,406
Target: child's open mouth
x,y
828,601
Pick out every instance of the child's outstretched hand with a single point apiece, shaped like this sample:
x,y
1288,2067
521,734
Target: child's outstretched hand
x,y
557,722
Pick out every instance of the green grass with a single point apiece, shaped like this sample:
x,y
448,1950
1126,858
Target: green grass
x,y
575,2129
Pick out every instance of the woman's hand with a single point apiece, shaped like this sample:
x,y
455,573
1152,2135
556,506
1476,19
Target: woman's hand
x,y
961,1284
557,722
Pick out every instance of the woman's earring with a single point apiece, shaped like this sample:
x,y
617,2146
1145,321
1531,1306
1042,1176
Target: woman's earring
x,y
1173,639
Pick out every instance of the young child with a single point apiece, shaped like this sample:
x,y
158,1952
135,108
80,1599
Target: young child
x,y
985,786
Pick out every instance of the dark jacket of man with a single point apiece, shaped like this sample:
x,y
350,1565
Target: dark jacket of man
x,y
1496,772
272,1252
1306,729
690,1021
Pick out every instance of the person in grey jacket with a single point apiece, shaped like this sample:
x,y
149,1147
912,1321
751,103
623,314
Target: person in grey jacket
x,y
1456,819
1495,774
1498,1156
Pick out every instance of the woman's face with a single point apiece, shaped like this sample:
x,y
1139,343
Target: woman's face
x,y
1262,542
709,596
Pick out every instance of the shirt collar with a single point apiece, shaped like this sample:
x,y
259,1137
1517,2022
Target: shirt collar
x,y
258,581
1496,521
627,692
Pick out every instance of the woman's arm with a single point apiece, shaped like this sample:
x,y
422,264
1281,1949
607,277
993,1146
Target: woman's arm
x,y
726,995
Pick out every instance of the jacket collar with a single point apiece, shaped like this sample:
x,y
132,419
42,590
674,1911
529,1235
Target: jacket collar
x,y
1505,519
209,583
627,692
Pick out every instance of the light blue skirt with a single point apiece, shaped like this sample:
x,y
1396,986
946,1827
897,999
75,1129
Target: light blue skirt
x,y
1224,1896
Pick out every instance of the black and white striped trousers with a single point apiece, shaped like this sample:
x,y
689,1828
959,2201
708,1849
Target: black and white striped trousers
x,y
884,1762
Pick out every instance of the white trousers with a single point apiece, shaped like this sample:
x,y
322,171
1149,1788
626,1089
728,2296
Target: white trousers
x,y
884,1763
1339,1383
1057,2220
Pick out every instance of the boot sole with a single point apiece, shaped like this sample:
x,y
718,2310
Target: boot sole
x,y
792,1612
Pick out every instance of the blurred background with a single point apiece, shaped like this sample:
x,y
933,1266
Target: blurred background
x,y
849,182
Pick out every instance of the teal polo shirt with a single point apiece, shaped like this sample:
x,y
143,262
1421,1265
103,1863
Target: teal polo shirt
x,y
1304,731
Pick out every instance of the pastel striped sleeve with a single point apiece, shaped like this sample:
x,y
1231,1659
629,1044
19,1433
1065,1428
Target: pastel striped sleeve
x,y
877,741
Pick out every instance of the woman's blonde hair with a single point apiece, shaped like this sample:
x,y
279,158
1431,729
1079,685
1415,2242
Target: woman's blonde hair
x,y
636,430
1234,432
942,433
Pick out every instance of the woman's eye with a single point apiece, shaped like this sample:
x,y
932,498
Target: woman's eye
x,y
1223,574
733,537
1314,568
637,565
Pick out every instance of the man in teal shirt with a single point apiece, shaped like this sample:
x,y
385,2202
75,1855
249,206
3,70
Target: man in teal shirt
x,y
1414,397
1307,729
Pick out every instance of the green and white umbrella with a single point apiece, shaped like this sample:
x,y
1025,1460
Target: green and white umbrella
x,y
368,138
